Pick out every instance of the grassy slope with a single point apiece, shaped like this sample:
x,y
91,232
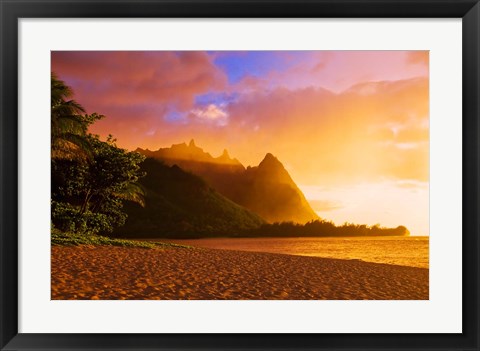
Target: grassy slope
x,y
180,204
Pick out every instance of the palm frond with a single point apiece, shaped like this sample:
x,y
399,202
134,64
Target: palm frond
x,y
59,89
71,146
72,124
68,125
132,192
60,103
71,105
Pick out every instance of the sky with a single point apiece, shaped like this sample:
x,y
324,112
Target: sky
x,y
351,127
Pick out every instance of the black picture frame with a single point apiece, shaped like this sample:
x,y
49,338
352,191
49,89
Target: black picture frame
x,y
11,11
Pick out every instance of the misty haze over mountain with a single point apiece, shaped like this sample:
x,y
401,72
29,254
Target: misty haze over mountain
x,y
267,189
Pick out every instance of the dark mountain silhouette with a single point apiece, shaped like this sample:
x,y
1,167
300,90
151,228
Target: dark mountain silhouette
x,y
193,158
268,190
181,204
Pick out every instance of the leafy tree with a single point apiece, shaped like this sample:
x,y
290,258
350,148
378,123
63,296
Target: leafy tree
x,y
90,178
87,197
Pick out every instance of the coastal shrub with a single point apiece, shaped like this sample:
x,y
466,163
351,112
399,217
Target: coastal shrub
x,y
70,218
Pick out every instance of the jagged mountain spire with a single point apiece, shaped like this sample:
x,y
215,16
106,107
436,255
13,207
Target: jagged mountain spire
x,y
181,153
267,189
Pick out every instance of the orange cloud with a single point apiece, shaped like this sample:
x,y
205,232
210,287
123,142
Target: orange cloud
x,y
372,130
324,138
329,137
126,78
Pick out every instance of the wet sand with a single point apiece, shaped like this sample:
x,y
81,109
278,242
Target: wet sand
x,y
113,273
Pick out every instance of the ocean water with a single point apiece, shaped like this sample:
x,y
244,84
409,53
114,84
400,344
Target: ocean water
x,y
405,251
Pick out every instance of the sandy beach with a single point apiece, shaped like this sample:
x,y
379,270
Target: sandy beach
x,y
112,273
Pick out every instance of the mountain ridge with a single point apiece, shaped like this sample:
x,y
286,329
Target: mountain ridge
x,y
190,152
267,189
180,204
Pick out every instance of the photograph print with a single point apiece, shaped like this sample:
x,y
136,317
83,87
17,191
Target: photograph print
x,y
239,175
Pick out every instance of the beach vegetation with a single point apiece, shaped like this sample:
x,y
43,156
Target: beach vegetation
x,y
60,238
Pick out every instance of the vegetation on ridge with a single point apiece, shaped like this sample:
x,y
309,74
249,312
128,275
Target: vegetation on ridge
x,y
267,190
181,204
322,228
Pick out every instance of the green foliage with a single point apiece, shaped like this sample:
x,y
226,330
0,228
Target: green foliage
x,y
60,238
70,218
87,196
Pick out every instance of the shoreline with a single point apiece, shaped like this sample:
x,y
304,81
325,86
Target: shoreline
x,y
117,273
175,238
322,248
